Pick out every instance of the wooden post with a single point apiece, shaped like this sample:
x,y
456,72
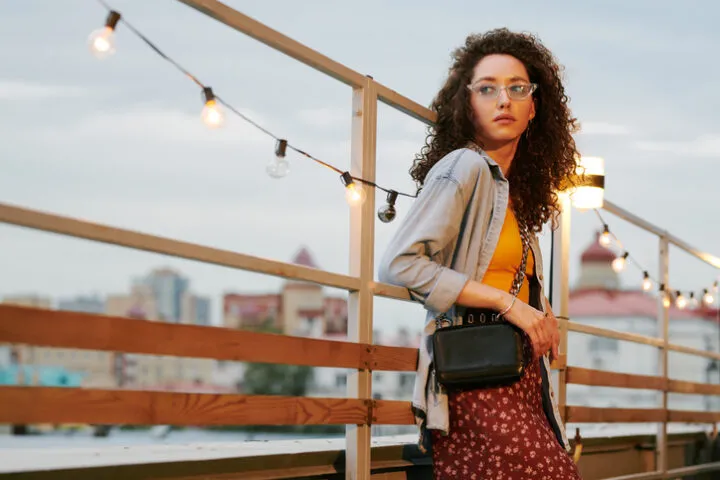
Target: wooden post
x,y
561,291
663,327
362,242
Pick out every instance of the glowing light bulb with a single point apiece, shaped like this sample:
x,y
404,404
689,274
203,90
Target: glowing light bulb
x,y
354,194
211,114
278,167
647,283
707,297
619,263
666,301
680,301
589,193
102,40
605,238
693,302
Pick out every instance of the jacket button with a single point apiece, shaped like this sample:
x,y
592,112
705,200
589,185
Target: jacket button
x,y
540,276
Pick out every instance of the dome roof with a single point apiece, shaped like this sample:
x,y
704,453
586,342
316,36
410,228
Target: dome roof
x,y
597,253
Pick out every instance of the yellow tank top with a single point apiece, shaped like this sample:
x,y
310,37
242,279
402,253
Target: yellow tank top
x,y
506,260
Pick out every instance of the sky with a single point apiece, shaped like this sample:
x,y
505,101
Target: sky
x,y
120,141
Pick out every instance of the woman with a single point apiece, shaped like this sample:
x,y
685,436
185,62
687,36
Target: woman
x,y
501,147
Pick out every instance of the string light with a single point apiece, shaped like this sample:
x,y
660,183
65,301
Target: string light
x,y
647,283
387,213
707,297
605,238
212,115
665,295
354,194
680,300
278,167
619,263
102,40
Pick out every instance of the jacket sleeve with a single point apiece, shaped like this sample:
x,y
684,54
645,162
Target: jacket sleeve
x,y
412,256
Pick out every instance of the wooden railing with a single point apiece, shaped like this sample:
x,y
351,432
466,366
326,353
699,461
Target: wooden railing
x,y
21,325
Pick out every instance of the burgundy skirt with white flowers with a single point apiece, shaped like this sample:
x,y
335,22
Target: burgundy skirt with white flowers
x,y
501,434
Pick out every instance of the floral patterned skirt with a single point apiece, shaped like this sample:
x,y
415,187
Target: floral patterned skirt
x,y
501,433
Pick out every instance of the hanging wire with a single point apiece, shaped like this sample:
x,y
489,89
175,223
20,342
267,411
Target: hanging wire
x,y
234,110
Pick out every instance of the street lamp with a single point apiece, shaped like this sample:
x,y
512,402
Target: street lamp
x,y
589,181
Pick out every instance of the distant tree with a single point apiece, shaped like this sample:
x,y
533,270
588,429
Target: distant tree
x,y
272,379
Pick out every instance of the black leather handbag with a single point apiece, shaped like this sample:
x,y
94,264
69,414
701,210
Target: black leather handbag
x,y
484,350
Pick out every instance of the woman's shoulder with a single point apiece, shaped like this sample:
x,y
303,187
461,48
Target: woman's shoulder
x,y
462,165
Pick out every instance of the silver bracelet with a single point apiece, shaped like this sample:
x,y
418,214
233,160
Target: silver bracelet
x,y
507,309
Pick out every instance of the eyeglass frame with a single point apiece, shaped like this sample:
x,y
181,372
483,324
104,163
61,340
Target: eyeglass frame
x,y
533,88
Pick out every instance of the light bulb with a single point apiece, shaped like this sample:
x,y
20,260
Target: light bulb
x,y
278,167
354,194
605,238
590,173
387,213
680,301
647,283
666,301
619,263
693,301
707,297
211,113
102,40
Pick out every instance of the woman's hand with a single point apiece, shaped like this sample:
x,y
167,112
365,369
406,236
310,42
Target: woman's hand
x,y
542,328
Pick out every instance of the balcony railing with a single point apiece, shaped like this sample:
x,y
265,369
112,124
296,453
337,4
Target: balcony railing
x,y
359,411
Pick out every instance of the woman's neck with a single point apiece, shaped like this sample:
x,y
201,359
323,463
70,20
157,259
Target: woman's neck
x,y
502,153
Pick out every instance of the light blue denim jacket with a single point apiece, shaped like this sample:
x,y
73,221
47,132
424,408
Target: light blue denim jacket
x,y
448,237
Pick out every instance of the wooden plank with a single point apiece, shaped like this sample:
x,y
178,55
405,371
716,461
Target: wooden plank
x,y
649,227
392,412
689,416
151,243
405,105
578,414
390,291
693,351
362,254
24,405
679,386
604,332
304,54
396,359
50,328
585,376
276,40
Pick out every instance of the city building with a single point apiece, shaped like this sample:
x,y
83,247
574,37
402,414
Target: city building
x,y
300,308
37,365
598,300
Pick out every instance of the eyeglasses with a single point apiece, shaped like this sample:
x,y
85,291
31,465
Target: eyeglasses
x,y
516,91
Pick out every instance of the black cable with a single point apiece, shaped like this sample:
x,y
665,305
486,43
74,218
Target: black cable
x,y
234,110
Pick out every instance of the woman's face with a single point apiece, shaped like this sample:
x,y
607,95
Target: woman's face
x,y
501,99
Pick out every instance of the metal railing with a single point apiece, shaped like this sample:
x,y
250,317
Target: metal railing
x,y
20,325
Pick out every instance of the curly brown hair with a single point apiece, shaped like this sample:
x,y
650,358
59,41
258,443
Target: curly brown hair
x,y
546,155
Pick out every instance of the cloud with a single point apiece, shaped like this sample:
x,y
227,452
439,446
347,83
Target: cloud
x,y
603,128
325,116
16,90
707,145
